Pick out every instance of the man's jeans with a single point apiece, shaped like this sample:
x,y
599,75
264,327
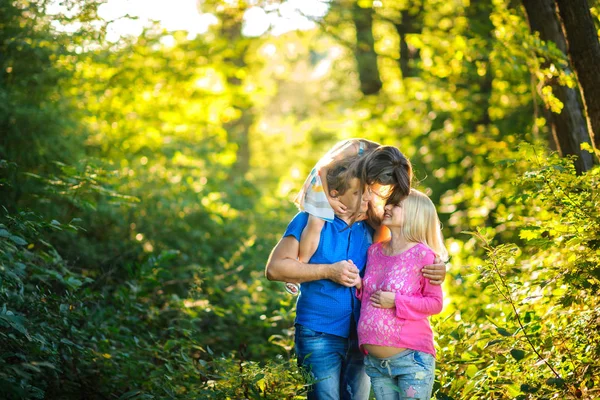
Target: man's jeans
x,y
406,375
334,362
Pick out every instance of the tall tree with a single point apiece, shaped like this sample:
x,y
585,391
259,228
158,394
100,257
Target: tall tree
x,y
366,58
569,127
480,39
231,18
584,52
412,22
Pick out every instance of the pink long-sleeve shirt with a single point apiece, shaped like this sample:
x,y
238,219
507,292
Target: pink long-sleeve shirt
x,y
406,325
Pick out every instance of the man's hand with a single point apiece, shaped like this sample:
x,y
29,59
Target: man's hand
x,y
436,273
345,273
381,299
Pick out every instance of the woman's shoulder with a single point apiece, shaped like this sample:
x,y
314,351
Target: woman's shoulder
x,y
375,248
424,251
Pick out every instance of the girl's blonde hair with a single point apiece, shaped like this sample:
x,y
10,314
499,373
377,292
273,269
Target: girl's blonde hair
x,y
421,223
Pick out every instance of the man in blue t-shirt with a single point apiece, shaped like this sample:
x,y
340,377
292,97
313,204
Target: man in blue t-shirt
x,y
327,310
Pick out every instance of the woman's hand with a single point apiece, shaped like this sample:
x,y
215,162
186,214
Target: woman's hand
x,y
381,299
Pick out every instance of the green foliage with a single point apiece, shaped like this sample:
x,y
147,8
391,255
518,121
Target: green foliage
x,y
144,182
39,316
63,337
532,330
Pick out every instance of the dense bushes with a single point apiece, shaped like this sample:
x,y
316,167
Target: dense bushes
x,y
523,322
135,225
161,327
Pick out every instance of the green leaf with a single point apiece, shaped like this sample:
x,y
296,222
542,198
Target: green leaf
x,y
558,382
18,240
586,147
73,282
529,234
130,394
514,390
493,342
528,388
503,331
170,344
471,370
517,354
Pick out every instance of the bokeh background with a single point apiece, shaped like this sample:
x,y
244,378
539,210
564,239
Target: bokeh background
x,y
149,152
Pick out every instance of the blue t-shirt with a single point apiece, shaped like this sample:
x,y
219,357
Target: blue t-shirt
x,y
323,305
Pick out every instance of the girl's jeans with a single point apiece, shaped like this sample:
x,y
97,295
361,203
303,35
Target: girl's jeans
x,y
406,375
335,363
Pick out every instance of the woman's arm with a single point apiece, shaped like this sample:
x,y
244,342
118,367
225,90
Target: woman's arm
x,y
359,289
411,307
414,307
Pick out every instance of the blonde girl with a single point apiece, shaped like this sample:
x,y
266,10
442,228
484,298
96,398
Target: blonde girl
x,y
394,330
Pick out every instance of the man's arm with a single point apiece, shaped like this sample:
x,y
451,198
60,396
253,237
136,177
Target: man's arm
x,y
283,265
436,273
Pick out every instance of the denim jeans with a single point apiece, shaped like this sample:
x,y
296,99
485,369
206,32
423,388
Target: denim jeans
x,y
334,362
406,375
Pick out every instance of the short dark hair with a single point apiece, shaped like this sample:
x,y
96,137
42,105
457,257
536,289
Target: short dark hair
x,y
341,172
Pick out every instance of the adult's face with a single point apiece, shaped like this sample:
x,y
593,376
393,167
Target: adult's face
x,y
379,194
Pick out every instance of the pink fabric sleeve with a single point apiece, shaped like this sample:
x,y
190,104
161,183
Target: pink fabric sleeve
x,y
359,293
418,307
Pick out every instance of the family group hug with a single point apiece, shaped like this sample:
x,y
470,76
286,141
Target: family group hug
x,y
366,256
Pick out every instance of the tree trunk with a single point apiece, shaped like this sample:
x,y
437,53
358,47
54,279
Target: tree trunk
x,y
481,26
568,128
237,129
366,58
584,52
412,22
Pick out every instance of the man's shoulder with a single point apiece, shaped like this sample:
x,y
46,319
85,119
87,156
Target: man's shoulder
x,y
296,225
301,216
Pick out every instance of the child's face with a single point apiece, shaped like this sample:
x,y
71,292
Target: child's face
x,y
393,215
351,196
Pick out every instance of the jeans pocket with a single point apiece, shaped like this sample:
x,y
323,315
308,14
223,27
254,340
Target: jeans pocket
x,y
424,360
306,333
368,362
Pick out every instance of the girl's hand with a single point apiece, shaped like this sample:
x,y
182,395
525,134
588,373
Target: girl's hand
x,y
338,206
381,299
